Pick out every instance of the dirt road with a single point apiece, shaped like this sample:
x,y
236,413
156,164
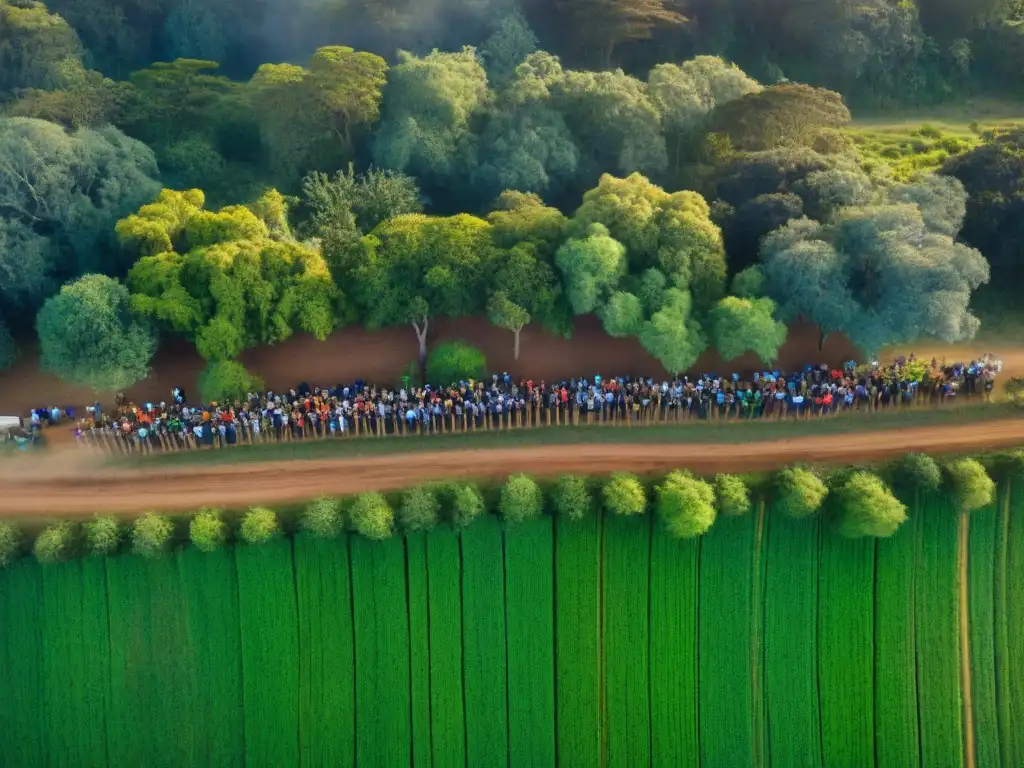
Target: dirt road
x,y
71,483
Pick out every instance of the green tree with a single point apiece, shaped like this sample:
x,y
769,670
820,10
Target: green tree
x,y
419,510
88,334
413,268
453,361
731,495
521,499
102,535
227,382
466,505
671,335
867,507
623,315
877,274
372,516
571,498
601,27
798,492
259,526
623,494
35,46
323,518
786,114
522,218
505,313
505,49
10,543
54,543
742,325
60,195
338,94
207,530
969,484
151,535
918,472
591,268
425,123
685,504
671,232
222,279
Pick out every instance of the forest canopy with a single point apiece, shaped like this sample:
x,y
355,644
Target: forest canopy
x,y
246,174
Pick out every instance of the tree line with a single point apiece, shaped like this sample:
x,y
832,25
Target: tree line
x,y
856,502
690,206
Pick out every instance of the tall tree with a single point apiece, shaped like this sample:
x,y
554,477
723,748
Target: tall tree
x,y
605,24
413,268
35,47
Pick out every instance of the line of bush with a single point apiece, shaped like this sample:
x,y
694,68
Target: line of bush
x,y
857,502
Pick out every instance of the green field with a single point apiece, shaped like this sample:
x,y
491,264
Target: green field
x,y
767,641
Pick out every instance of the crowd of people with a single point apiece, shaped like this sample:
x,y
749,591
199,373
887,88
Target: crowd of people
x,y
503,402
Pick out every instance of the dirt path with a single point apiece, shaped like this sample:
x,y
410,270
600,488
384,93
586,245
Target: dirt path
x,y
965,643
74,483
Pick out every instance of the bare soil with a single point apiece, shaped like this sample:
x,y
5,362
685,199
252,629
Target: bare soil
x,y
70,482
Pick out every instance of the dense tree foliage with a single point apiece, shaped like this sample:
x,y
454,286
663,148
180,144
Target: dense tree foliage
x,y
89,334
419,510
513,159
227,381
798,492
866,507
259,526
207,530
102,535
685,504
571,498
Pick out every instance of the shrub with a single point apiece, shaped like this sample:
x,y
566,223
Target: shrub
x,y
918,472
259,526
102,535
623,494
10,541
732,495
1014,390
685,504
372,516
323,518
970,485
227,381
867,507
466,505
455,361
799,492
521,499
151,534
208,530
8,349
419,509
571,498
54,543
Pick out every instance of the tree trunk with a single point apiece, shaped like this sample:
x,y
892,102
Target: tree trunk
x,y
421,337
821,340
516,333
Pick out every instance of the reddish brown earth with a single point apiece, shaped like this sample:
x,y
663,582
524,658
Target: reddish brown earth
x,y
383,356
71,482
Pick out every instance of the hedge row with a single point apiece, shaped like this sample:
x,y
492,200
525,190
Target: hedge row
x,y
859,502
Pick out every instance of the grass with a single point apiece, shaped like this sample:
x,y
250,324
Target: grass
x,y
484,643
420,659
674,596
270,653
530,647
326,653
578,641
380,615
447,714
938,646
895,705
846,649
695,431
725,686
599,642
627,727
981,581
791,642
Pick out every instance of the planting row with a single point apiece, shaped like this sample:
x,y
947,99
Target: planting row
x,y
856,502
